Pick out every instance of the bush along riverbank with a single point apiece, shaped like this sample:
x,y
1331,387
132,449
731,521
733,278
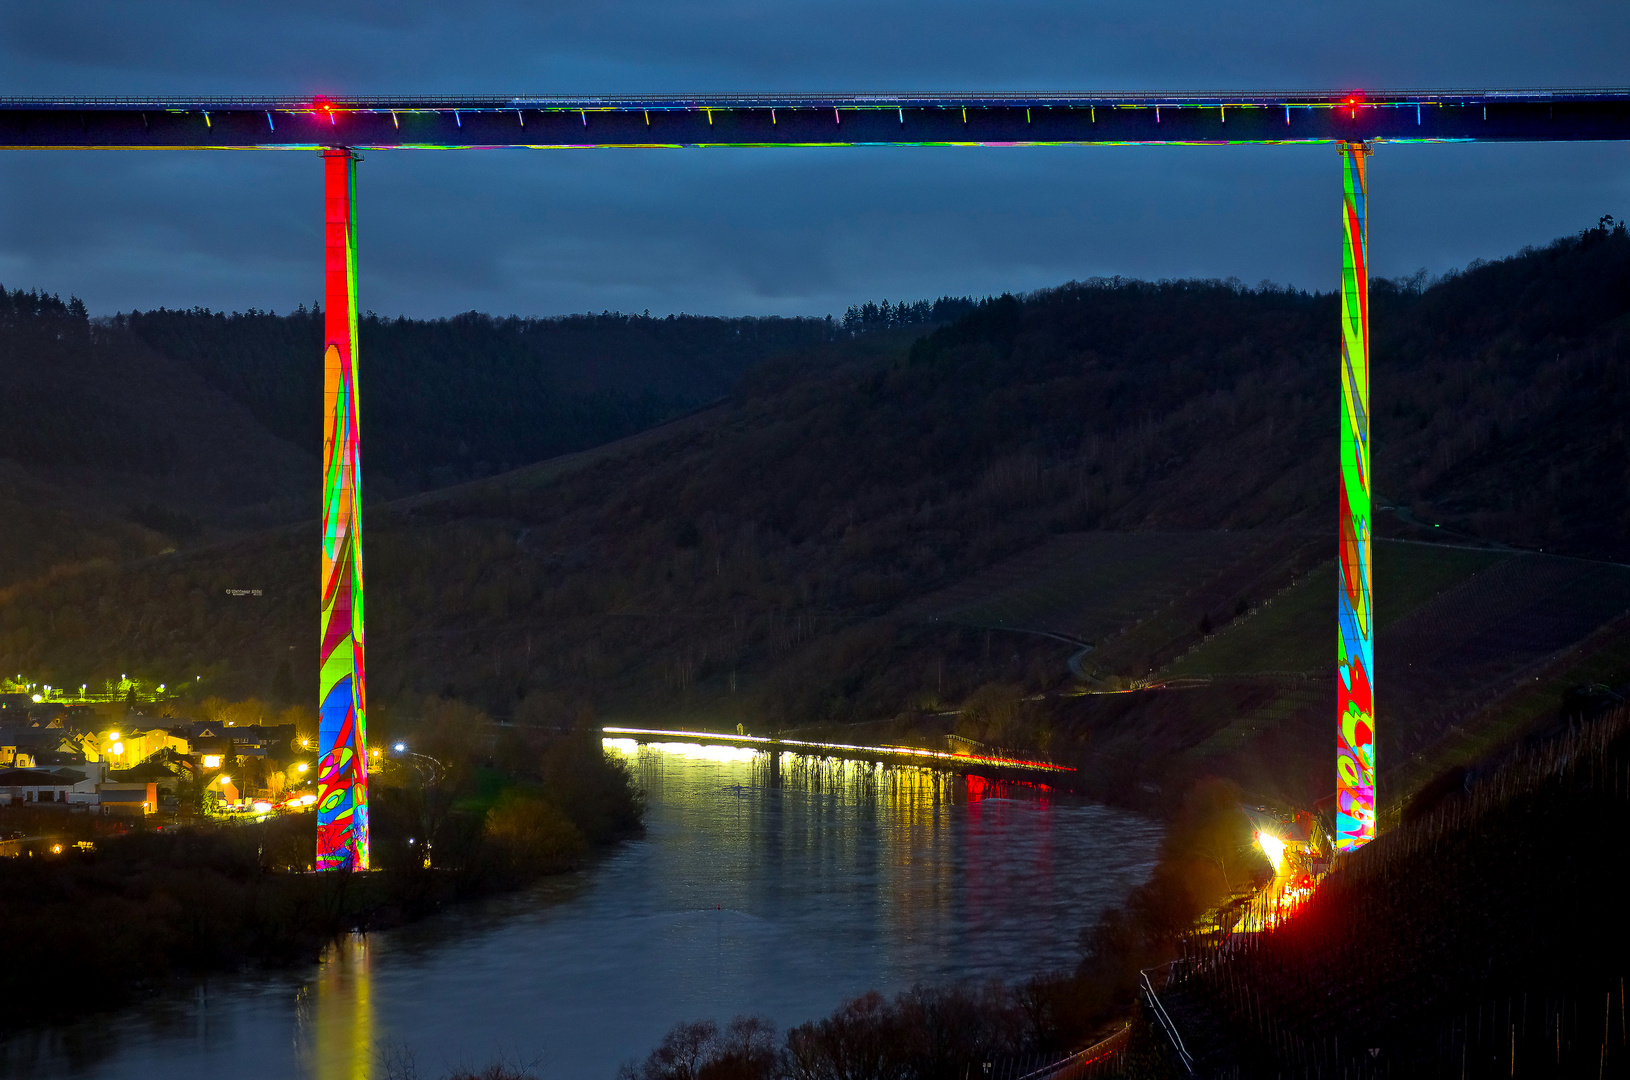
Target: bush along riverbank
x,y
137,909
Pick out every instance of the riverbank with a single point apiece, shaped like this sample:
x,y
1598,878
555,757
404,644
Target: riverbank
x,y
742,896
1206,859
93,928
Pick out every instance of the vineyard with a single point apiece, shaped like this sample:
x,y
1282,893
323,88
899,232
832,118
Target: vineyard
x,y
1086,586
1294,630
1474,647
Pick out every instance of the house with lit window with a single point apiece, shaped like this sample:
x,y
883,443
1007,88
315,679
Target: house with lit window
x,y
211,740
131,744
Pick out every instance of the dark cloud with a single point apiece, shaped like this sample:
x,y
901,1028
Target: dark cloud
x,y
795,231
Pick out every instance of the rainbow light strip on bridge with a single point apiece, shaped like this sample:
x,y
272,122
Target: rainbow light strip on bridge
x,y
1355,704
893,751
843,119
342,744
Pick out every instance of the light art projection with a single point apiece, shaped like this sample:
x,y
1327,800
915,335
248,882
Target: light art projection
x,y
1355,703
342,771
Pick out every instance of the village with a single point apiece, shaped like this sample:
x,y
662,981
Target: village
x,y
72,758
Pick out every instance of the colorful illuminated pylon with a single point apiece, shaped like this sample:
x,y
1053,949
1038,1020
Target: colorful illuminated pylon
x,y
342,746
1355,701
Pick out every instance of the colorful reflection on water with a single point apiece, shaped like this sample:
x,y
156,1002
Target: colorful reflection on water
x,y
336,1019
771,884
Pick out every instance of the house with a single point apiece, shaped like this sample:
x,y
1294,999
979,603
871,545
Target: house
x,y
212,740
164,780
20,787
91,775
30,747
135,742
15,757
129,798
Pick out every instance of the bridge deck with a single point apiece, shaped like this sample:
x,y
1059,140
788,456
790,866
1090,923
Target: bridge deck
x,y
911,119
938,759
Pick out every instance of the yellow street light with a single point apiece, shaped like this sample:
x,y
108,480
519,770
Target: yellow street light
x,y
302,767
225,780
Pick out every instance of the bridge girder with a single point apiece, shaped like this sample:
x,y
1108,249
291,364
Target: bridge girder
x,y
821,120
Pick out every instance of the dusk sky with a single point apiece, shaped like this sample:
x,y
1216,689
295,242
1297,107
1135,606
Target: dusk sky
x,y
775,230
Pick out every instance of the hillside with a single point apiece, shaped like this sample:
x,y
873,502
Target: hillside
x,y
879,525
1481,938
168,429
450,399
111,450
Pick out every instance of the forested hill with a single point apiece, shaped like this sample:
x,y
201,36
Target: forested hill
x,y
775,557
445,400
123,437
110,450
448,399
1499,396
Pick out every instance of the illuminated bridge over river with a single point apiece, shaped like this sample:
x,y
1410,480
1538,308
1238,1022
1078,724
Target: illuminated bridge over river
x,y
891,755
1351,121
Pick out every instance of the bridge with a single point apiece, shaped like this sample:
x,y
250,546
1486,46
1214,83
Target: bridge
x,y
1352,121
995,764
981,119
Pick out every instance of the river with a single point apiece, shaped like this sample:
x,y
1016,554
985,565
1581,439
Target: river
x,y
771,887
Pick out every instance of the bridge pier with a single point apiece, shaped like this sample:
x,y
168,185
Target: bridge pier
x,y
342,745
1355,705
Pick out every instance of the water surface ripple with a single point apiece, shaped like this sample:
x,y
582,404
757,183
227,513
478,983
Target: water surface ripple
x,y
772,886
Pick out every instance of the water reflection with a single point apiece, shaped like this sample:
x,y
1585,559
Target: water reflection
x,y
919,873
776,884
336,1018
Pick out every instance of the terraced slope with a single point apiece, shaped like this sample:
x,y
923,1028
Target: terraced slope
x,y
1086,586
1295,630
1474,647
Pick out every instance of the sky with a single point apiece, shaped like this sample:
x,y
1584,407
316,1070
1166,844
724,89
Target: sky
x,y
776,231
